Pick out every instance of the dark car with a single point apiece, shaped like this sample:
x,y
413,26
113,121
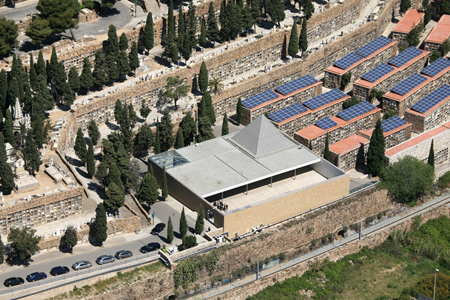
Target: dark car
x,y
59,271
36,276
13,281
158,228
79,265
123,254
104,259
150,247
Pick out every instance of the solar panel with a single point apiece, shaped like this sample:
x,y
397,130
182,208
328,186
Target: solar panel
x,y
436,67
408,84
296,84
287,112
324,99
405,56
356,110
259,99
348,60
325,123
432,99
377,73
373,46
392,123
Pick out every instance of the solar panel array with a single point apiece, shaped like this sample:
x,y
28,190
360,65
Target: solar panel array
x,y
408,84
392,123
296,84
377,72
436,67
373,46
287,112
259,99
324,99
348,60
405,56
356,110
325,123
432,99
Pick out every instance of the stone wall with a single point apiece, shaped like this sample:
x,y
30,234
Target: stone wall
x,y
433,118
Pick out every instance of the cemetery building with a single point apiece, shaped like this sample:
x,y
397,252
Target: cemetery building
x,y
439,34
410,19
395,131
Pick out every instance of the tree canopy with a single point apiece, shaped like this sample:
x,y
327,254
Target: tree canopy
x,y
149,190
8,35
99,227
23,243
60,14
375,154
39,30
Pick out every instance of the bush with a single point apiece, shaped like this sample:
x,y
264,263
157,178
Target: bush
x,y
370,219
349,102
389,114
444,181
189,241
93,5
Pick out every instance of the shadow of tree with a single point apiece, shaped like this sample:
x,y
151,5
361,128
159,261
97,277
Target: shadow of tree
x,y
83,173
74,161
94,186
112,126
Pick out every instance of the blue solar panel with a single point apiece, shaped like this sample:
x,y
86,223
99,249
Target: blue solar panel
x,y
377,73
392,123
373,46
432,99
436,67
408,84
296,84
405,56
356,110
323,99
287,112
325,123
348,60
259,99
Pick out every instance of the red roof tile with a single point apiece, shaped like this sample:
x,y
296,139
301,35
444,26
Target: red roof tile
x,y
351,143
411,18
440,32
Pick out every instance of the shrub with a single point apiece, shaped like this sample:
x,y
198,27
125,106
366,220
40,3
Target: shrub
x,y
369,219
189,241
444,181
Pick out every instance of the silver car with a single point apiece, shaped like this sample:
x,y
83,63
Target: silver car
x,y
83,264
105,259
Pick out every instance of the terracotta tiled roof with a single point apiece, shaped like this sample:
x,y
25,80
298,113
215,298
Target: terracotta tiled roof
x,y
410,20
351,143
440,32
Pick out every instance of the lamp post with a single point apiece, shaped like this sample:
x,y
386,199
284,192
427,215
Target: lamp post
x,y
434,290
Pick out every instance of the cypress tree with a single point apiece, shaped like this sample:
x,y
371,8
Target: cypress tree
x,y
149,167
112,67
431,154
375,154
157,147
31,155
170,20
200,222
100,73
303,39
133,58
27,97
102,173
240,3
93,132
90,160
38,130
169,231
13,92
86,79
53,65
114,196
210,113
189,129
183,224
99,228
191,26
114,174
225,130
40,67
202,38
310,146
123,64
123,42
112,48
326,152
8,128
7,176
60,78
293,41
165,130
212,29
203,78
149,190
3,89
205,131
149,36
239,111
33,75
80,146
164,187
2,252
179,143
73,80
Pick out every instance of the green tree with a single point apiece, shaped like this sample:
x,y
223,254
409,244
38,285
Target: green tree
x,y
200,222
169,231
123,64
413,37
183,224
293,41
73,80
60,14
345,80
326,152
203,78
90,160
205,131
33,74
350,102
114,175
225,130
80,146
157,146
407,179
175,89
275,10
375,154
119,112
13,92
40,67
209,109
8,128
307,8
189,242
112,67
102,173
431,155
149,190
8,36
86,79
239,111
2,252
303,38
53,67
70,238
93,132
132,115
3,89
215,85
133,57
112,43
123,42
247,19
389,114
144,111
60,79
143,141
7,176
428,11
404,6
445,47
114,196
189,129
374,93
149,35
100,73
202,38
165,130
39,30
164,187
179,142
23,243
99,227
212,29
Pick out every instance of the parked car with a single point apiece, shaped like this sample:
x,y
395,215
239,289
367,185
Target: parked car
x,y
36,276
13,281
158,228
123,254
83,264
59,270
104,259
150,247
